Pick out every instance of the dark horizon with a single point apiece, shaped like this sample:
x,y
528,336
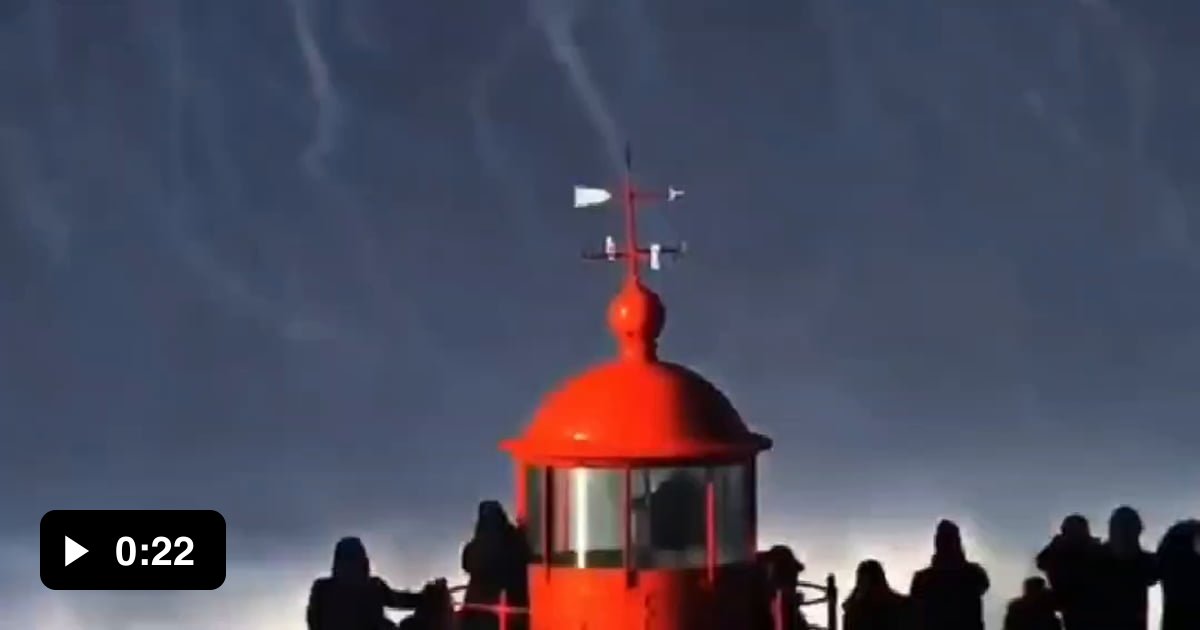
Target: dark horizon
x,y
254,255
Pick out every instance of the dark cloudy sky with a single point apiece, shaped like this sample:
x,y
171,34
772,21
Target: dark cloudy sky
x,y
306,261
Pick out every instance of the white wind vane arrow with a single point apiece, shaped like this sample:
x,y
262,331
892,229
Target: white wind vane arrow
x,y
586,197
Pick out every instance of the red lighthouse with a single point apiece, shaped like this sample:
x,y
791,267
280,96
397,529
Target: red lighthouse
x,y
636,482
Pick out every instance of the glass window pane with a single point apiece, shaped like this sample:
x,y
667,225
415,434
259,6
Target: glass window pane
x,y
535,517
669,516
734,514
668,511
587,508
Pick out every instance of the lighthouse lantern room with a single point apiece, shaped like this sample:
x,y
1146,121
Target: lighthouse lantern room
x,y
636,480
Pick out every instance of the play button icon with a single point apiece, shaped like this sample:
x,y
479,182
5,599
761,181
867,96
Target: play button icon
x,y
131,550
72,551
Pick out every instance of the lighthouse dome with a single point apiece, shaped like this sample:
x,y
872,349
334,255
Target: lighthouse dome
x,y
637,409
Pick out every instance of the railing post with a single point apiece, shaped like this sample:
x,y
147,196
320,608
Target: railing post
x,y
503,610
831,601
777,609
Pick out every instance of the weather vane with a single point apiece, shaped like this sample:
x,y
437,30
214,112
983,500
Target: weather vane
x,y
633,253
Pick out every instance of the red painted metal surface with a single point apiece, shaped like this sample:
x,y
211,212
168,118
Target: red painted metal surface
x,y
600,599
632,412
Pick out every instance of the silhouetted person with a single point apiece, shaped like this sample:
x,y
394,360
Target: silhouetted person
x,y
351,598
1034,609
677,513
1074,564
948,594
873,605
781,573
435,610
1179,566
496,559
1130,571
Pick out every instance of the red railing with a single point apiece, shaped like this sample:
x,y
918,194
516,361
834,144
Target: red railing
x,y
829,596
501,608
779,613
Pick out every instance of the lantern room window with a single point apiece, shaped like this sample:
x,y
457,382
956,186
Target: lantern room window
x,y
577,516
535,513
668,512
670,516
587,517
733,487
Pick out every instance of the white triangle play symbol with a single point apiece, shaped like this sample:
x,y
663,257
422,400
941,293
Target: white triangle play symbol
x,y
73,551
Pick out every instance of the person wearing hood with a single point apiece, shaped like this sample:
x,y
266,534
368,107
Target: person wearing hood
x,y
1130,571
873,605
1179,564
948,594
436,610
496,560
351,598
780,572
1034,609
1074,564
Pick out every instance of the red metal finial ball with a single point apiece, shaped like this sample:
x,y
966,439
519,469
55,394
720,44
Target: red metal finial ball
x,y
636,317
